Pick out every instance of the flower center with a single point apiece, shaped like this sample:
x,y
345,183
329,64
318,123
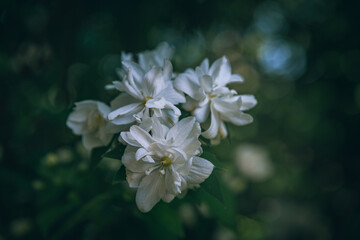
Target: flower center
x,y
95,121
145,97
166,161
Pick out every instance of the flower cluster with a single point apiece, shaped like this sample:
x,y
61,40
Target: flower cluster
x,y
162,152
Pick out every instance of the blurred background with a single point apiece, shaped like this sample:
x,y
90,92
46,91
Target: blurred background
x,y
291,174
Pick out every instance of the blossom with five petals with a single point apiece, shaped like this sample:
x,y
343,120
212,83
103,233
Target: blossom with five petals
x,y
164,164
208,95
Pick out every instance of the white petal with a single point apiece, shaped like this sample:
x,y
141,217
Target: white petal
x,y
112,128
103,109
200,170
236,78
136,71
202,113
110,87
119,85
214,125
154,82
121,100
141,136
162,104
248,102
150,191
78,115
184,129
127,110
126,56
77,128
159,130
172,181
206,82
227,105
124,120
129,161
220,70
167,69
90,141
222,130
86,104
133,87
164,50
167,117
191,146
134,178
168,197
155,58
127,138
239,118
190,104
205,66
104,137
140,153
158,103
188,83
171,95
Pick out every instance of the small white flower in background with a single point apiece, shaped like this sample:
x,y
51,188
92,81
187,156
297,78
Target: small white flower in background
x,y
146,59
89,119
253,162
155,58
145,94
208,95
164,164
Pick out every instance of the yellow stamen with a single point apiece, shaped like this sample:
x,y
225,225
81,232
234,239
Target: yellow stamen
x,y
213,95
166,161
147,99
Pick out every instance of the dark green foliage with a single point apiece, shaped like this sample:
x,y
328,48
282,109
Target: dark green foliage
x,y
55,53
116,152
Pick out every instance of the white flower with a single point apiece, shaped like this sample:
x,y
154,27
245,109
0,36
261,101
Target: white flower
x,y
164,164
147,59
155,58
89,119
145,94
208,94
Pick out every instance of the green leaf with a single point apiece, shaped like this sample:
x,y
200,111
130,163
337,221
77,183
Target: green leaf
x,y
204,141
184,114
119,176
224,212
52,215
212,186
115,153
212,158
229,132
164,222
96,155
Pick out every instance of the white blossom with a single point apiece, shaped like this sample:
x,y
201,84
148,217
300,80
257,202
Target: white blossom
x,y
208,95
145,94
89,119
164,164
155,58
146,59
